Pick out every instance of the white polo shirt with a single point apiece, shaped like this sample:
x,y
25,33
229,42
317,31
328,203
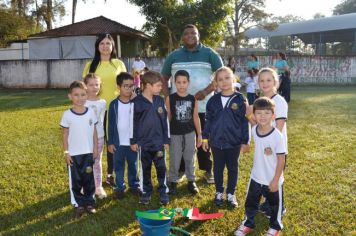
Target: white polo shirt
x,y
124,122
265,157
281,112
81,131
99,107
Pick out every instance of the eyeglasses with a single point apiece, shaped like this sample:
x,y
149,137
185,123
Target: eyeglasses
x,y
128,86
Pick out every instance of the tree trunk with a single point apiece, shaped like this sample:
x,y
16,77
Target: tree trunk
x,y
236,29
170,40
38,18
74,7
49,15
170,37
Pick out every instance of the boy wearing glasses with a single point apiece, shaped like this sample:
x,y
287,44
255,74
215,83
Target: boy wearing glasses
x,y
120,123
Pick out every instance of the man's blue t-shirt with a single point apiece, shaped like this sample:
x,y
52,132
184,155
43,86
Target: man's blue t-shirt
x,y
199,63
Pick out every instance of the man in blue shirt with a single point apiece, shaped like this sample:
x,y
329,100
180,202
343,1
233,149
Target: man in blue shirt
x,y
200,62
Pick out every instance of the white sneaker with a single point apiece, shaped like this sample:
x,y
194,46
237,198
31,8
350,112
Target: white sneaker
x,y
231,199
272,232
242,230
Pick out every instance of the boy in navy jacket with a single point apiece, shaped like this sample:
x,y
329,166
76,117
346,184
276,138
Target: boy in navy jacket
x,y
120,121
150,135
226,129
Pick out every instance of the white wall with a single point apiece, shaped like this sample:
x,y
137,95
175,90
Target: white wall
x,y
305,70
40,74
16,51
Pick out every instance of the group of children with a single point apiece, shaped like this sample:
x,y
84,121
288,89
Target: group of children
x,y
142,129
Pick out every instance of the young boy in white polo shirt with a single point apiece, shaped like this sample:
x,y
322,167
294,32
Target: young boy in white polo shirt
x,y
267,171
80,147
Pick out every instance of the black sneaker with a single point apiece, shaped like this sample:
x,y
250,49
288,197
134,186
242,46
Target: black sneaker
x,y
119,194
111,181
219,199
173,188
91,209
192,187
144,199
209,177
164,199
79,211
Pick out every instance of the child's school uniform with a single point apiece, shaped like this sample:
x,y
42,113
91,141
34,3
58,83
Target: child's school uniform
x,y
182,136
281,112
226,128
99,107
151,131
80,147
119,128
267,147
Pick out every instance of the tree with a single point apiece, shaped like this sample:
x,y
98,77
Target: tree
x,y
318,15
247,14
14,26
166,19
20,18
49,10
347,6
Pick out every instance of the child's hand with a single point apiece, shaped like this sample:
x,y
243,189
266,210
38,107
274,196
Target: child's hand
x,y
205,146
273,186
111,148
166,147
69,160
249,109
134,147
199,141
245,148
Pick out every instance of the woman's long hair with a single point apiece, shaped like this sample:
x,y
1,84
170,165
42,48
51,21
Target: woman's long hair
x,y
96,60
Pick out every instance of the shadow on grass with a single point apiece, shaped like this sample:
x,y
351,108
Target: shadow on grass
x,y
262,223
53,216
12,100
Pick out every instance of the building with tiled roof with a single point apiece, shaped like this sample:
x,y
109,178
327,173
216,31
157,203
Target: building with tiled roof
x,y
76,41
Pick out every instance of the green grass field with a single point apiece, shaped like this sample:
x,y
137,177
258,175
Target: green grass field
x,y
320,180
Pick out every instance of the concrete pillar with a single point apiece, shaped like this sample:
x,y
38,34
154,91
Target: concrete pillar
x,y
118,46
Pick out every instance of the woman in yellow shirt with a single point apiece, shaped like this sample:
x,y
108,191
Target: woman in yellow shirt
x,y
106,65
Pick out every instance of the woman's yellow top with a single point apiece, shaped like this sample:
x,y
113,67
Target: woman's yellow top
x,y
107,71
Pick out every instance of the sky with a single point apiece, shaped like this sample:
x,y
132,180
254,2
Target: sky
x,y
127,14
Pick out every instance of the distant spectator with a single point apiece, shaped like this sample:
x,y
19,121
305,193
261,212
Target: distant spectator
x,y
138,65
251,85
252,62
284,76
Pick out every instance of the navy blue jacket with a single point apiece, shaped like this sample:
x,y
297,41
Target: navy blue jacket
x,y
150,123
226,127
113,134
